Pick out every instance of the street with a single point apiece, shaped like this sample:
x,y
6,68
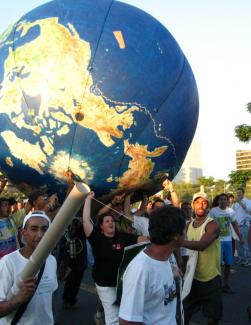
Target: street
x,y
234,305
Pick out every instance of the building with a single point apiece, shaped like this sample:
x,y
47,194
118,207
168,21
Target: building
x,y
243,160
191,169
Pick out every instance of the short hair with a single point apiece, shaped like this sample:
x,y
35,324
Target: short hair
x,y
34,195
241,189
4,199
230,195
156,200
222,194
101,219
166,223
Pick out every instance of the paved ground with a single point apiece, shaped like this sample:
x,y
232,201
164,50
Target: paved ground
x,y
234,305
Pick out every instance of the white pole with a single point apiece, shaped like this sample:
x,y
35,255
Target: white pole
x,y
63,218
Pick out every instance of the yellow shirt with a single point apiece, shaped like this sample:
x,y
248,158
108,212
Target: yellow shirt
x,y
208,265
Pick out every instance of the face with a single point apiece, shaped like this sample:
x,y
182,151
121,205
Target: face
x,y
231,200
239,195
158,205
200,207
223,202
186,207
108,226
34,231
149,206
4,209
41,202
20,205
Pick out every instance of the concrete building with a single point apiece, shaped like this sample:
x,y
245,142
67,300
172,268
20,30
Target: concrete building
x,y
192,165
243,160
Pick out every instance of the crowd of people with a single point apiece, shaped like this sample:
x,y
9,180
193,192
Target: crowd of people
x,y
186,253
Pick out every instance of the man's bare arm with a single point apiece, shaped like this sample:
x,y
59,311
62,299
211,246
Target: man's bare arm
x,y
26,290
212,232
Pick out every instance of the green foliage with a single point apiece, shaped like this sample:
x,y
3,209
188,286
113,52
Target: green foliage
x,y
240,178
206,181
243,131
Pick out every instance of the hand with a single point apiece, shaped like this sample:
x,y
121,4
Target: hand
x,y
168,185
27,288
90,195
118,199
69,177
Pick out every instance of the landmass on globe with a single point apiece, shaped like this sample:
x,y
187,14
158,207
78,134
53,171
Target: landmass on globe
x,y
63,101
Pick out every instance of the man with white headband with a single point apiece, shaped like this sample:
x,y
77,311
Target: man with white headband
x,y
39,308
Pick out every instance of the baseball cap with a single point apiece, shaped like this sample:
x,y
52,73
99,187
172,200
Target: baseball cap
x,y
40,214
198,195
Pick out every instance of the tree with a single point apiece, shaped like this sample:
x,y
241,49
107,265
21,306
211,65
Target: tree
x,y
243,131
240,178
206,181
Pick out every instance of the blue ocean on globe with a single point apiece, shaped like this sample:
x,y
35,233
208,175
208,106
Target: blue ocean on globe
x,y
98,87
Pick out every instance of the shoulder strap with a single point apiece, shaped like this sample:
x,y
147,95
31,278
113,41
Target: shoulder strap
x,y
19,313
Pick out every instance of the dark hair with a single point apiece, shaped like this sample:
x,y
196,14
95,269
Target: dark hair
x,y
101,219
166,223
222,194
230,195
156,200
215,201
241,189
34,195
4,199
185,203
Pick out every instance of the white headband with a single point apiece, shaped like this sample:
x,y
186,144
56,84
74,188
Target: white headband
x,y
40,214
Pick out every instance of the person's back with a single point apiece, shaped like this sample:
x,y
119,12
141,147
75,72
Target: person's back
x,y
149,290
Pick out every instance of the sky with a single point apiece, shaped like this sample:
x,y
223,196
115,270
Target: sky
x,y
215,37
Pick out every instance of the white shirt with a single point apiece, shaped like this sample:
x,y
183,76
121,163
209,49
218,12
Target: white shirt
x,y
224,218
39,310
242,216
149,292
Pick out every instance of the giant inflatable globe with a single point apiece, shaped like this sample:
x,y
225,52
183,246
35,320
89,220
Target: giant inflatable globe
x,y
96,86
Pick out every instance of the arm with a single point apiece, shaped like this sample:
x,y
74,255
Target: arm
x,y
237,230
69,178
174,196
143,206
212,232
117,199
3,183
141,239
127,206
27,288
87,224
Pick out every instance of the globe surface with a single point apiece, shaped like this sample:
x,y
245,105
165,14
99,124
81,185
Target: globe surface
x,y
98,87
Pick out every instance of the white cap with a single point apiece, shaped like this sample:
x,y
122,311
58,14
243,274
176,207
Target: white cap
x,y
40,214
198,195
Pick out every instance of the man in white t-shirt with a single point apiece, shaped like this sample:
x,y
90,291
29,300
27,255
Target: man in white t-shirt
x,y
39,309
149,290
242,208
225,216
